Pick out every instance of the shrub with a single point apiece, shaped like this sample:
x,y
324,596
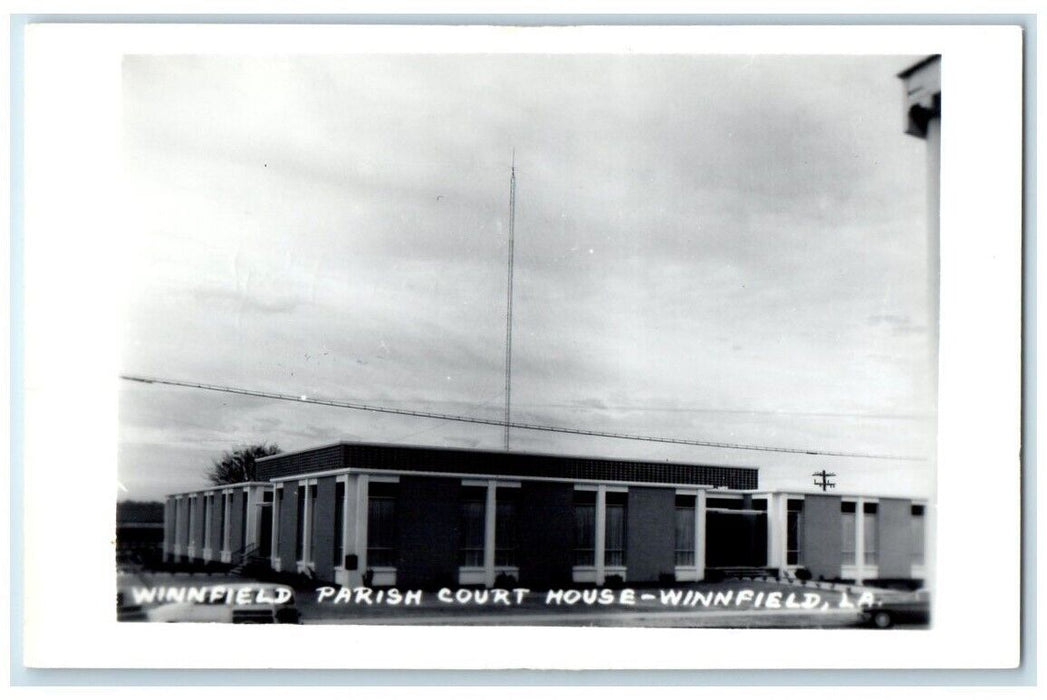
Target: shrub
x,y
505,580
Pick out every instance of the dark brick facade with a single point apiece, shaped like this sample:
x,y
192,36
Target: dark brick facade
x,y
324,532
399,458
236,531
428,513
650,548
894,532
288,536
823,534
546,530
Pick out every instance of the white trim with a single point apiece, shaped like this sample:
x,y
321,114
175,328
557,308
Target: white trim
x,y
307,522
383,478
600,569
358,544
384,576
472,575
213,489
685,573
584,574
208,504
274,516
860,571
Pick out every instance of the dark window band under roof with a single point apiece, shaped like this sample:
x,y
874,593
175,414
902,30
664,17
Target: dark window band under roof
x,y
401,458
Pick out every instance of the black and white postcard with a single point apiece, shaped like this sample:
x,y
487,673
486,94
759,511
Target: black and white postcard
x,y
547,341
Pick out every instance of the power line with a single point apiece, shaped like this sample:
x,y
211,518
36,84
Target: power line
x,y
489,421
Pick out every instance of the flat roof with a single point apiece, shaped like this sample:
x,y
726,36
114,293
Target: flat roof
x,y
450,460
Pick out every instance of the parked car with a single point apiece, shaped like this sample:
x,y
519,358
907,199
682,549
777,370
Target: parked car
x,y
891,608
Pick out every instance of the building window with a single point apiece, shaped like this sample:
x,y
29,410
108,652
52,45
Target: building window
x,y
685,530
339,523
850,532
299,536
794,532
585,528
918,537
381,525
473,516
614,530
870,536
505,532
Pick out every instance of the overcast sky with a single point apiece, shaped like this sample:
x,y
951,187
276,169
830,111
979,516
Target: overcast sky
x,y
710,248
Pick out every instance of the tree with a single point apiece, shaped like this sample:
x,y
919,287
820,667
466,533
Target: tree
x,y
238,466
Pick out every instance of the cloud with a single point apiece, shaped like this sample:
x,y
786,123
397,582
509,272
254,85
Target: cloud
x,y
722,233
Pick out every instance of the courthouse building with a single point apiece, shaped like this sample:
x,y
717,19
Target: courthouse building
x,y
422,517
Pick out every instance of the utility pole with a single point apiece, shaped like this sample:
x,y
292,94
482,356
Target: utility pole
x,y
509,301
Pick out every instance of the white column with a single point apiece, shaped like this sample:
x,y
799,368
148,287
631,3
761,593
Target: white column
x,y
490,522
775,532
922,87
933,185
251,522
179,526
859,545
193,515
227,505
306,534
699,534
347,547
359,529
274,551
600,540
